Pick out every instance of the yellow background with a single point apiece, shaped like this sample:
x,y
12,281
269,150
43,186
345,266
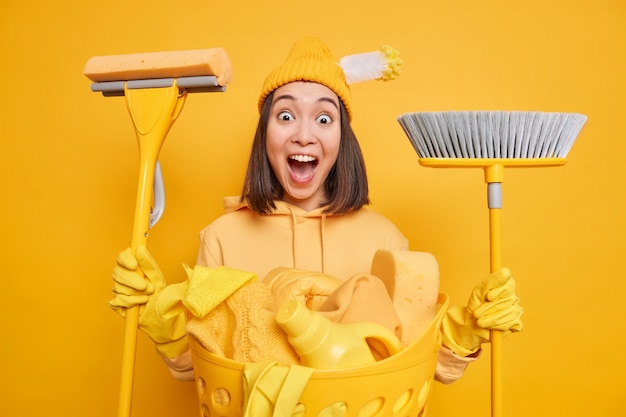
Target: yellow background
x,y
68,165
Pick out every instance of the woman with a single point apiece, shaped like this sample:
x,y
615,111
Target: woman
x,y
304,206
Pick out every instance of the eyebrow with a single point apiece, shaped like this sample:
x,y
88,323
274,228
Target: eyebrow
x,y
321,99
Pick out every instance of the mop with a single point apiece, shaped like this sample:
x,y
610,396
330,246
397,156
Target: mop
x,y
155,86
492,140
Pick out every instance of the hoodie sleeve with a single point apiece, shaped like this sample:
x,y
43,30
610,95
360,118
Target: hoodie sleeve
x,y
451,367
209,253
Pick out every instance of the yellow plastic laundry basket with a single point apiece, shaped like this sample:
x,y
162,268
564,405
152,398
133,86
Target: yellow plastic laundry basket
x,y
397,386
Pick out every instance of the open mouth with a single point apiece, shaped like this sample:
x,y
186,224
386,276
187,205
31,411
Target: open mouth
x,y
302,167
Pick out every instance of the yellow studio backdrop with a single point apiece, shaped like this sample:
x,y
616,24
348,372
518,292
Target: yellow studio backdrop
x,y
68,172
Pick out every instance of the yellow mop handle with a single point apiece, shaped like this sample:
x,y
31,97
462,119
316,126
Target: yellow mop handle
x,y
153,112
494,175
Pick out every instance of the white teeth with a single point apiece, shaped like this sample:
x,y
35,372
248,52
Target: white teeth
x,y
303,158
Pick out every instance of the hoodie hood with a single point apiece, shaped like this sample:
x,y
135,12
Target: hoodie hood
x,y
234,203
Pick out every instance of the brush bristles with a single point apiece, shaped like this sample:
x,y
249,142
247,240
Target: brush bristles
x,y
492,134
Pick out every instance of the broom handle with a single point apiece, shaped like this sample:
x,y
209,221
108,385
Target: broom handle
x,y
494,176
153,112
496,336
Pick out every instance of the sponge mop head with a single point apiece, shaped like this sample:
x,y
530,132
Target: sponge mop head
x,y
150,65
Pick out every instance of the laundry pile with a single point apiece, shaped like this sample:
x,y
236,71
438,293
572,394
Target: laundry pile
x,y
233,314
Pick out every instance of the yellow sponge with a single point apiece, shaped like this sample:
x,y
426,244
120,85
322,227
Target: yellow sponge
x,y
174,64
412,281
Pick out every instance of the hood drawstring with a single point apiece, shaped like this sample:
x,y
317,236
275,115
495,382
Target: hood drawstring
x,y
294,238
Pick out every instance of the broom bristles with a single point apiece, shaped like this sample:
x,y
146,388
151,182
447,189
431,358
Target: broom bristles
x,y
492,134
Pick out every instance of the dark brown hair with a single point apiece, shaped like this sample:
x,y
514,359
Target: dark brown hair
x,y
346,185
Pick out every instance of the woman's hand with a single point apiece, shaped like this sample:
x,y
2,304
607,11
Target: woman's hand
x,y
493,305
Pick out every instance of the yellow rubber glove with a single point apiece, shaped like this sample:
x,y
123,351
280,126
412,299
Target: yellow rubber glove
x,y
138,281
493,304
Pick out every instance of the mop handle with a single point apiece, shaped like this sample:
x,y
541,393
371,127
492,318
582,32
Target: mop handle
x,y
494,176
153,112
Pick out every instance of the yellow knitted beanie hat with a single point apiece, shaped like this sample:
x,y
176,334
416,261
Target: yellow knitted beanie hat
x,y
311,60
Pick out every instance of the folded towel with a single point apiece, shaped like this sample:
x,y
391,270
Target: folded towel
x,y
204,289
208,287
362,298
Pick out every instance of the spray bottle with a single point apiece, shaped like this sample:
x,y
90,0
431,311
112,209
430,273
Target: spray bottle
x,y
323,344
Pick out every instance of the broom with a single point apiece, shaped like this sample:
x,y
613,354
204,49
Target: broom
x,y
155,86
492,140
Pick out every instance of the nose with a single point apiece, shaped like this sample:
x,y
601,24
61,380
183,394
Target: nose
x,y
305,133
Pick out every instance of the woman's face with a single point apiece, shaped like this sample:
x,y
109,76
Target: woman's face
x,y
303,135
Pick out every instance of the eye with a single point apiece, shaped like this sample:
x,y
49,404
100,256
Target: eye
x,y
285,115
324,119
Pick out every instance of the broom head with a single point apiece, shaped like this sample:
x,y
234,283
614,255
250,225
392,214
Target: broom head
x,y
492,134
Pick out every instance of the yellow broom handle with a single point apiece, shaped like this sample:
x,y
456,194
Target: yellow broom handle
x,y
496,336
153,112
494,176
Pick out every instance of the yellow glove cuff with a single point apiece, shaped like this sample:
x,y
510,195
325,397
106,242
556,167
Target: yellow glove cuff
x,y
461,333
173,349
166,331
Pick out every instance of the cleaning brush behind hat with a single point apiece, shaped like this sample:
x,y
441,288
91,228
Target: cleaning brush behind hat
x,y
492,140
